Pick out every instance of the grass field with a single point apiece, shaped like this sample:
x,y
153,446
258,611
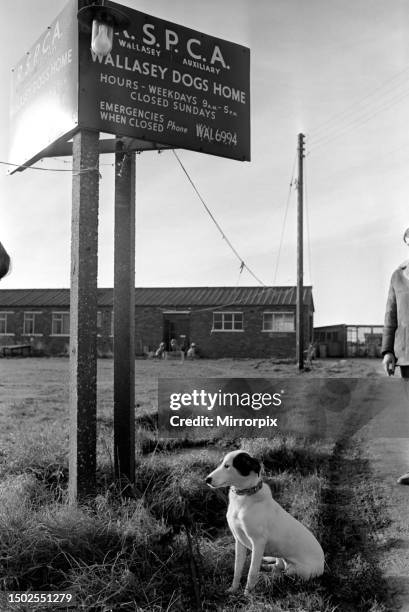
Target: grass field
x,y
168,547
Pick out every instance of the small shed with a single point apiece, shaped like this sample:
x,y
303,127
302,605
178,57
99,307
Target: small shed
x,y
344,340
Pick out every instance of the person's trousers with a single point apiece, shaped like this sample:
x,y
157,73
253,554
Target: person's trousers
x,y
404,371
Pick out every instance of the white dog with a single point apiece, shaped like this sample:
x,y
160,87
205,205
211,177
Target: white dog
x,y
260,524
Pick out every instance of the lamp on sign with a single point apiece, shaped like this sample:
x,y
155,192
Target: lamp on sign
x,y
101,21
101,38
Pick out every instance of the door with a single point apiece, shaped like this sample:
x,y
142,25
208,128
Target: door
x,y
177,326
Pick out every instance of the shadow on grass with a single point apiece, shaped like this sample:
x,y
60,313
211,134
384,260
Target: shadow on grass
x,y
351,514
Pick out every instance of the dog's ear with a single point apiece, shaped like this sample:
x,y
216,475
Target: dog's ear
x,y
245,464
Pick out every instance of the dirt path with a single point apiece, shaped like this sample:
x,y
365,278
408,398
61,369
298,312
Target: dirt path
x,y
381,441
389,457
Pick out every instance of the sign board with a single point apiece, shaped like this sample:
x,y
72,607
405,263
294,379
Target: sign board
x,y
168,84
162,83
44,90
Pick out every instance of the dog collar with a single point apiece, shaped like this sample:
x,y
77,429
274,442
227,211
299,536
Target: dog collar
x,y
250,491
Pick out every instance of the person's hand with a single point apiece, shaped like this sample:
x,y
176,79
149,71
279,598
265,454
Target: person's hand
x,y
389,363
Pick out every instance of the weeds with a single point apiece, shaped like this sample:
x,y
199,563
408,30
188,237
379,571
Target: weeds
x,y
169,548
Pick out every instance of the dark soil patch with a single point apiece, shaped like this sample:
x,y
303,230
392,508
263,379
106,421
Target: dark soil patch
x,y
351,515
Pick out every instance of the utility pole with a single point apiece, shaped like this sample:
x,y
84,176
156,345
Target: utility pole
x,y
300,258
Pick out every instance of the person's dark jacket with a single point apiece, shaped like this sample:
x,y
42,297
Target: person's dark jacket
x,y
4,261
396,327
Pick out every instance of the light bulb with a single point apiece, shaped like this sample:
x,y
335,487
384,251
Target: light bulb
x,y
102,36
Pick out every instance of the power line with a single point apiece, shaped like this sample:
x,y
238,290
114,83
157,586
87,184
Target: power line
x,y
356,123
363,116
66,161
240,273
284,221
265,288
75,172
351,108
209,212
349,170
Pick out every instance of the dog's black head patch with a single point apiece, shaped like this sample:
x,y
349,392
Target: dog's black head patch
x,y
246,464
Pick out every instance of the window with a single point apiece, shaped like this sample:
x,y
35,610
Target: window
x,y
352,334
278,321
227,321
60,324
29,326
5,323
362,332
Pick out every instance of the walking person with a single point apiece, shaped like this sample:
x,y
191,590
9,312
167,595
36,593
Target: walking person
x,y
395,340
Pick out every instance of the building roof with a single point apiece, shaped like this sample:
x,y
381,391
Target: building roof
x,y
343,325
169,297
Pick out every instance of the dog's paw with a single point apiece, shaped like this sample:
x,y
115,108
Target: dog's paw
x,y
232,589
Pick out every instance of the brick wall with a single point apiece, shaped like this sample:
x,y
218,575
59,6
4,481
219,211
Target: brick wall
x,y
42,341
252,342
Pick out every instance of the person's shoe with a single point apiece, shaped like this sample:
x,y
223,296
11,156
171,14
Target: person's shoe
x,y
404,479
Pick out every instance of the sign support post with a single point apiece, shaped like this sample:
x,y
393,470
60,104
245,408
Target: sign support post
x,y
83,315
124,315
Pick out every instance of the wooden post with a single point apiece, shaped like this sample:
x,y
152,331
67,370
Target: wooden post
x,y
124,316
83,315
300,258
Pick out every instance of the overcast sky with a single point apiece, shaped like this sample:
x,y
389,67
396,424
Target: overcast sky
x,y
337,71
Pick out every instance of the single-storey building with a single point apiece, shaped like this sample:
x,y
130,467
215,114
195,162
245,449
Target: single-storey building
x,y
349,340
222,321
